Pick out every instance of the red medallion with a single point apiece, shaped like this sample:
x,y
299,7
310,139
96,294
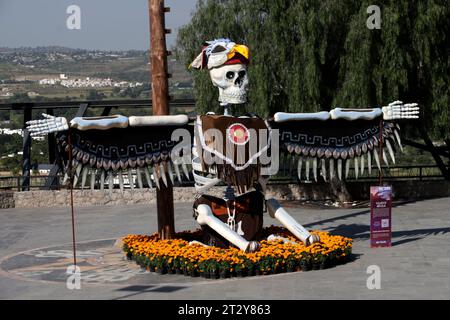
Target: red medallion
x,y
238,134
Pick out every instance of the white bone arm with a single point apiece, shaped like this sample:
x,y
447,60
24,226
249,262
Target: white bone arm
x,y
99,123
206,217
276,211
48,125
285,117
355,114
398,110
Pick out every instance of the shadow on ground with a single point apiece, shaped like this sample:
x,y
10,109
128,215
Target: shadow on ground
x,y
137,290
362,232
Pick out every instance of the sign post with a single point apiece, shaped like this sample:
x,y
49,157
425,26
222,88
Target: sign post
x,y
380,217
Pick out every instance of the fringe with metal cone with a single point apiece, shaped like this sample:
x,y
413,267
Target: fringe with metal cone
x,y
156,176
177,172
299,168
139,178
324,170
185,170
120,181
170,171
102,180
347,168
162,172
332,171
148,178
77,174
399,141
307,169
315,169
339,164
362,165
391,151
377,159
110,182
93,173
385,158
130,179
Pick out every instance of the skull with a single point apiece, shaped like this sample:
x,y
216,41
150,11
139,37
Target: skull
x,y
232,81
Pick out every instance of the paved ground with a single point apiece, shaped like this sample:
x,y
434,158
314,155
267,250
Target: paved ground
x,y
417,266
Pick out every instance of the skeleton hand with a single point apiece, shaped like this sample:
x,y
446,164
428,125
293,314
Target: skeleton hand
x,y
398,110
46,126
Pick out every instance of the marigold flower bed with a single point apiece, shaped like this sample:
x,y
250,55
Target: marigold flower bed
x,y
177,256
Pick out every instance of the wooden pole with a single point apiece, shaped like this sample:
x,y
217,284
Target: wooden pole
x,y
160,105
158,56
26,158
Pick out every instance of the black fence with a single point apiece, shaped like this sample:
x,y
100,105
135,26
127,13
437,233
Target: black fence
x,y
397,173
26,181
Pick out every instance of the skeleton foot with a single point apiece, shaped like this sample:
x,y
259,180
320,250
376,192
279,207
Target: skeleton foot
x,y
276,211
273,237
206,217
198,243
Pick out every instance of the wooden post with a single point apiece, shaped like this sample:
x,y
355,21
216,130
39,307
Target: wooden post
x,y
160,106
26,158
158,57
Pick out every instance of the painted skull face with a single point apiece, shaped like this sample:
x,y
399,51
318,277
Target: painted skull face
x,y
232,81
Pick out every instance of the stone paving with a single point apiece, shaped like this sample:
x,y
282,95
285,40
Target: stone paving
x,y
34,243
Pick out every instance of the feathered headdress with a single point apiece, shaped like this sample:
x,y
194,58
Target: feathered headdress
x,y
221,52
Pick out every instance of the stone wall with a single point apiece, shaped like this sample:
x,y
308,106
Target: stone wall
x,y
312,191
7,200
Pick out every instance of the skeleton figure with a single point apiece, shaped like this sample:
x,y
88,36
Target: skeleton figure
x,y
238,219
227,149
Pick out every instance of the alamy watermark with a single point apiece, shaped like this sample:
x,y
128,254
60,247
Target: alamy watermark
x,y
73,281
374,20
374,280
73,22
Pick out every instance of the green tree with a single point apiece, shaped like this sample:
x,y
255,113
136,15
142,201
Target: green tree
x,y
310,55
95,95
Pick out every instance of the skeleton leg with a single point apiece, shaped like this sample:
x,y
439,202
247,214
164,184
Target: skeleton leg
x,y
276,211
206,217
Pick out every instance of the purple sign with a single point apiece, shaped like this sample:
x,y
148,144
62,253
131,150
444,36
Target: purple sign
x,y
380,217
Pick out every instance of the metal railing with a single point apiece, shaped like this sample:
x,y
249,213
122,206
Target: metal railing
x,y
14,183
410,172
397,173
105,107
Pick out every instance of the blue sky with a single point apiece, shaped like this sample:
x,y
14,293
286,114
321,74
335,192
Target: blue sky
x,y
105,24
